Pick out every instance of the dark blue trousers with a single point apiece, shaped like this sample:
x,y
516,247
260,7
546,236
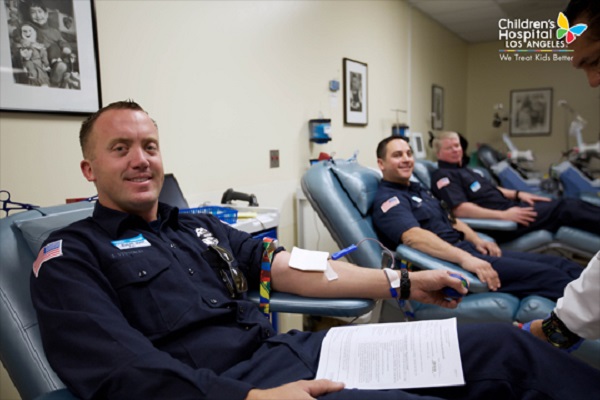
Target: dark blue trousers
x,y
524,274
499,362
554,215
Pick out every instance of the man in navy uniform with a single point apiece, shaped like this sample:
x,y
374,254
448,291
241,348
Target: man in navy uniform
x,y
140,302
405,212
470,195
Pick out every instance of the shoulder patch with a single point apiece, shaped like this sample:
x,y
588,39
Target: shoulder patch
x,y
390,203
48,252
442,183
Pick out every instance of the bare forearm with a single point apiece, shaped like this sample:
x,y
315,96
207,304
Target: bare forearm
x,y
471,210
429,243
352,281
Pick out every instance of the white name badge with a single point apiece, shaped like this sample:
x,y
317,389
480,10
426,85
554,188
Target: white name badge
x,y
131,243
475,186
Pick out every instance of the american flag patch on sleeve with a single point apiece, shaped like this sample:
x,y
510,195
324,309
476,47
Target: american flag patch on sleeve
x,y
48,252
389,203
443,182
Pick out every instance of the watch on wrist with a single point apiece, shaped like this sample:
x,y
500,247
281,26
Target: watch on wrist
x,y
557,334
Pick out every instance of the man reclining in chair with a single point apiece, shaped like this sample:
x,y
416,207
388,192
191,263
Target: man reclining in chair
x,y
405,212
469,195
140,302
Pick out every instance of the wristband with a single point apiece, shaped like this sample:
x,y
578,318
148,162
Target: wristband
x,y
404,284
557,334
517,195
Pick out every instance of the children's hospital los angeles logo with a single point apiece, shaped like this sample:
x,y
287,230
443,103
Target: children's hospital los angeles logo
x,y
528,40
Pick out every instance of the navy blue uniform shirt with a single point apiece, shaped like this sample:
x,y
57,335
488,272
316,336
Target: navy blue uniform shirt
x,y
397,208
456,185
126,305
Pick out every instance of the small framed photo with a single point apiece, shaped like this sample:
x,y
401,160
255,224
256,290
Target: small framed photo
x,y
437,107
49,57
530,112
355,92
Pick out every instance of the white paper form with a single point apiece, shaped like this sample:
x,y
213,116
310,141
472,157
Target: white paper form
x,y
400,355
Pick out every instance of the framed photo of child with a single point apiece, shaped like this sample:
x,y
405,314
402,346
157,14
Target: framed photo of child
x,y
49,57
355,92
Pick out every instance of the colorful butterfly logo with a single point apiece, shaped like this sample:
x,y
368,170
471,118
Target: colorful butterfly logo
x,y
570,32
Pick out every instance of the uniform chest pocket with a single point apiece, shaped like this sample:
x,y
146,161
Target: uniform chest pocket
x,y
422,213
153,296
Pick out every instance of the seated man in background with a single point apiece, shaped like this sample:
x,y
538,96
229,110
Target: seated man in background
x,y
405,212
469,195
155,301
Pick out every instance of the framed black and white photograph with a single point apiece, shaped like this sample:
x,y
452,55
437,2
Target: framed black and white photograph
x,y
530,112
355,92
437,107
49,57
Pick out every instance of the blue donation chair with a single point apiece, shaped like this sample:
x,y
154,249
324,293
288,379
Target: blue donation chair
x,y
575,184
21,350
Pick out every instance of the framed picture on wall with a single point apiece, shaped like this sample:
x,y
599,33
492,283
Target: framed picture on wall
x,y
437,107
355,92
49,57
530,112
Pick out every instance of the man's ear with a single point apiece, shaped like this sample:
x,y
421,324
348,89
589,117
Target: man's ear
x,y
87,171
380,163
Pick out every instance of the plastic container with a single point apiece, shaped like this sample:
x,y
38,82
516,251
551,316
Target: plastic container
x,y
225,214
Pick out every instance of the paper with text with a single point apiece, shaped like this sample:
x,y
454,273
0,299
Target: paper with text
x,y
400,355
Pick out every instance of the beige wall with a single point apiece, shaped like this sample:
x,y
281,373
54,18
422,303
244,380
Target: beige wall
x,y
490,81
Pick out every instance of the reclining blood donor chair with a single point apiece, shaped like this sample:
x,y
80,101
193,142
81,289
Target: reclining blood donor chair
x,y
21,351
342,191
575,184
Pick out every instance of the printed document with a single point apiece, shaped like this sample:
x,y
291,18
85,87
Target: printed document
x,y
402,355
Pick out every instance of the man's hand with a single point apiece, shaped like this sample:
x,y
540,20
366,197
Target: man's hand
x,y
483,270
426,287
520,215
531,198
489,248
299,390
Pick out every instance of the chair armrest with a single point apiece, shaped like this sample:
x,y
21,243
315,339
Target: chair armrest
x,y
290,303
490,224
425,261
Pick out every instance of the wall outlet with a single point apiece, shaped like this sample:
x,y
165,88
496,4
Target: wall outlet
x,y
274,159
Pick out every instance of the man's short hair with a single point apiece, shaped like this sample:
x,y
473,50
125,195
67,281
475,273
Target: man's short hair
x,y
588,9
436,144
88,125
382,146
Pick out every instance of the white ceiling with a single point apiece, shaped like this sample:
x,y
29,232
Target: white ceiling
x,y
477,20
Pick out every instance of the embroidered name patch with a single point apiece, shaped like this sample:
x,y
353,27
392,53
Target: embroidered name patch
x,y
131,243
389,203
48,252
442,182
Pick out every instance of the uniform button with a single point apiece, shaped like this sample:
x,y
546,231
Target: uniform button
x,y
242,309
247,328
173,246
267,333
214,301
142,273
191,271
